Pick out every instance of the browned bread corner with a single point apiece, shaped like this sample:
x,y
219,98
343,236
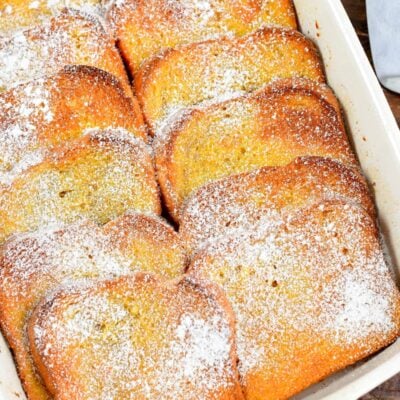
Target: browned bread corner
x,y
99,176
50,111
239,202
70,38
146,27
219,69
150,239
311,295
269,127
34,264
134,338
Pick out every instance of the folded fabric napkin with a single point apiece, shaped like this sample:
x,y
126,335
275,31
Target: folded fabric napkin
x,y
384,34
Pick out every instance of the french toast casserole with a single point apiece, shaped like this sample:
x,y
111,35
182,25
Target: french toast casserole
x,y
182,215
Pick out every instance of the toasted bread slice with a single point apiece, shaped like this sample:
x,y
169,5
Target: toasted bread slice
x,y
146,27
23,14
99,176
36,263
238,202
269,127
48,112
311,295
136,338
70,38
220,69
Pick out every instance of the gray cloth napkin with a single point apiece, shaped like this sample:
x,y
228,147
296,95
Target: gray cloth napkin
x,y
384,35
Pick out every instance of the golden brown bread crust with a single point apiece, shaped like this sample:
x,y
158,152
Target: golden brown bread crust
x,y
269,127
238,202
311,295
149,238
146,27
23,14
144,324
32,265
220,69
99,176
50,111
70,38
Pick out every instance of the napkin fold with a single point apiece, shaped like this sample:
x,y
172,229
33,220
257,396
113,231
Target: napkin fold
x,y
384,35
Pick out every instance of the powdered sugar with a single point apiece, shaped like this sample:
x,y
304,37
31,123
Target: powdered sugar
x,y
270,127
79,250
147,28
29,159
100,176
318,274
198,12
207,347
35,264
217,70
20,128
84,250
364,307
17,17
184,353
69,39
239,201
47,112
33,5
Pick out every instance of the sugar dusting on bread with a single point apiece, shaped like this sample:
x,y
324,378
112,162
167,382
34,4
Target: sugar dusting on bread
x,y
37,263
82,250
211,214
99,176
212,71
79,250
69,39
270,127
320,272
162,341
51,111
268,102
366,307
239,201
147,28
203,18
20,129
197,12
16,17
207,347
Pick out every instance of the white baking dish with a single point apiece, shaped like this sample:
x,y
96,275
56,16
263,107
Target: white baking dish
x,y
376,139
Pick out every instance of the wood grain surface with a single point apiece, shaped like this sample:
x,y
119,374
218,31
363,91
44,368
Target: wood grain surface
x,y
357,12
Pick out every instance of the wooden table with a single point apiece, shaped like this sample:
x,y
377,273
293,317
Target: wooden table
x,y
356,10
